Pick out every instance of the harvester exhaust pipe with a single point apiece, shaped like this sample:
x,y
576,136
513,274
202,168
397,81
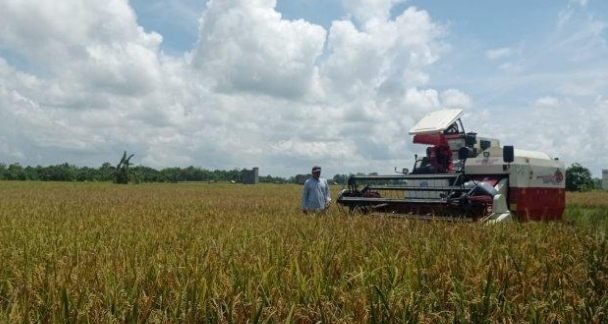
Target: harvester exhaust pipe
x,y
508,154
508,157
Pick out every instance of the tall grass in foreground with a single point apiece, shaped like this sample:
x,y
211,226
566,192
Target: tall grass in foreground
x,y
97,253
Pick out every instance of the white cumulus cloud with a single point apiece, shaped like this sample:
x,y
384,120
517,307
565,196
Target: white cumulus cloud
x,y
499,53
256,89
245,45
365,10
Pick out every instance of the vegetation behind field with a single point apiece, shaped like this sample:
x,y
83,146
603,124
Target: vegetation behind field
x,y
99,253
138,174
578,178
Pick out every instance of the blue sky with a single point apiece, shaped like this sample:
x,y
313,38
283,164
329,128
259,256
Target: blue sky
x,y
287,84
491,23
472,28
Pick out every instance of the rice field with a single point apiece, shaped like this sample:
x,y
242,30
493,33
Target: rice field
x,y
220,253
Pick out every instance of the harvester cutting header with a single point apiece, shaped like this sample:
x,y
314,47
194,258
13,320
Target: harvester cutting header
x,y
463,177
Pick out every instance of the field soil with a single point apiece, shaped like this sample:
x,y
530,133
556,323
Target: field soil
x,y
222,253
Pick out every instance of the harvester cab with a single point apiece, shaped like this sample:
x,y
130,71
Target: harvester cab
x,y
463,177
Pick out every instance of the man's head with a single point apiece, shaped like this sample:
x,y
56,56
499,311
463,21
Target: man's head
x,y
316,172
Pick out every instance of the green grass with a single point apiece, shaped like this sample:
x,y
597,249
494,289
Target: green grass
x,y
588,209
194,253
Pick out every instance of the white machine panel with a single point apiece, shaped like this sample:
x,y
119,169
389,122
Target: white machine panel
x,y
437,121
426,183
530,169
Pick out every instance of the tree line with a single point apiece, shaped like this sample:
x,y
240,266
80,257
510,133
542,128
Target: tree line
x,y
107,173
578,178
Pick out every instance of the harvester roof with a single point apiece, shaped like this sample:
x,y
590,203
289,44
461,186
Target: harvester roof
x,y
437,121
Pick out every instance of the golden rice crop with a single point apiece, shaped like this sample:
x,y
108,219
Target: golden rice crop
x,y
588,199
194,253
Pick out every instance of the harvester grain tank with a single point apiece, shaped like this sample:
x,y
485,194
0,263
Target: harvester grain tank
x,y
463,177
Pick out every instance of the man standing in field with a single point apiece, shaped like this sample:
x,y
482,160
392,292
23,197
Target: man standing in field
x,y
316,196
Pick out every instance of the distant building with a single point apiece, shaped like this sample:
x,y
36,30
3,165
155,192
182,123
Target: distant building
x,y
251,176
605,179
301,178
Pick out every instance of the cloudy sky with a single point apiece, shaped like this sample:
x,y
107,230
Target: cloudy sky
x,y
287,84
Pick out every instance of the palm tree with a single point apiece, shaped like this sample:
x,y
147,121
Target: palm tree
x,y
121,173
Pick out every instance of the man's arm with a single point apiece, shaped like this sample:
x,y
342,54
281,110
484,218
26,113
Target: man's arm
x,y
304,197
327,195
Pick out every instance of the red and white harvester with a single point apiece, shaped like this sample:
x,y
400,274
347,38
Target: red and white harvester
x,y
463,177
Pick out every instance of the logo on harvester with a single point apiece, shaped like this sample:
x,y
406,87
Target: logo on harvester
x,y
556,178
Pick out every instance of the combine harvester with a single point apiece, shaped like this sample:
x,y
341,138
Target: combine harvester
x,y
463,177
